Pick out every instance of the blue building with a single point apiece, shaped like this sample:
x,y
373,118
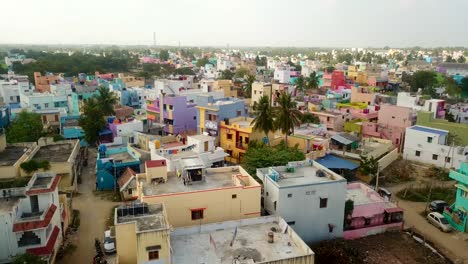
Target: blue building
x,y
111,164
79,94
5,116
210,112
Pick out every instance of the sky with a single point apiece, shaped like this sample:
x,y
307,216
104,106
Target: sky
x,y
286,23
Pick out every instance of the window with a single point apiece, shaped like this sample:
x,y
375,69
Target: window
x,y
418,153
393,117
234,196
255,92
153,254
274,205
171,107
46,105
328,118
447,159
239,113
434,156
291,222
267,193
246,140
289,195
197,214
429,139
229,136
323,202
194,118
366,221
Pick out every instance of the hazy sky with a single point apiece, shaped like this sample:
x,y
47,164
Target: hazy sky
x,y
336,23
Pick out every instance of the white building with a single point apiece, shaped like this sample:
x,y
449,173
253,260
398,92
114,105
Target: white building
x,y
224,64
308,196
11,90
429,145
416,102
31,219
282,74
460,112
174,85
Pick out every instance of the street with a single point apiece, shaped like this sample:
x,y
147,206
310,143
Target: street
x,y
94,212
454,245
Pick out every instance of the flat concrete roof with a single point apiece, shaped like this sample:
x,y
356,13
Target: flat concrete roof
x,y
7,204
195,245
214,178
203,137
54,153
154,219
42,182
10,155
122,156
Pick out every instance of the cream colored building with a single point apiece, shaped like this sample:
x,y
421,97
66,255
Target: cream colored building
x,y
11,157
260,89
197,195
142,234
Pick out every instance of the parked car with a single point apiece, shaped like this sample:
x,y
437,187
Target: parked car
x,y
109,243
384,193
439,221
437,206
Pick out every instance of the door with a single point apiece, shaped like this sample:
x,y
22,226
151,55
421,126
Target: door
x,y
34,203
206,146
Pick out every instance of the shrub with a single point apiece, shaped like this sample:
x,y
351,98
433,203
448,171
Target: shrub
x,y
33,165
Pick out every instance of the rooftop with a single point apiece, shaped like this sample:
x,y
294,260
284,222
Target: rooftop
x,y
7,204
54,153
10,155
214,178
300,173
367,201
250,245
430,130
203,137
147,217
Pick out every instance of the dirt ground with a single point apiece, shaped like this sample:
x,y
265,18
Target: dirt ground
x,y
94,212
395,247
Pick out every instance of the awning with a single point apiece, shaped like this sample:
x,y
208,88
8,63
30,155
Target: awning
x,y
394,210
334,162
344,138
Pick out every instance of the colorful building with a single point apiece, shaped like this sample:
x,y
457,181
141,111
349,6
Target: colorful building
x,y
42,83
210,112
333,120
371,213
178,114
457,213
79,94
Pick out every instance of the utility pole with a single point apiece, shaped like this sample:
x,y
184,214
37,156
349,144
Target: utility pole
x,y
377,178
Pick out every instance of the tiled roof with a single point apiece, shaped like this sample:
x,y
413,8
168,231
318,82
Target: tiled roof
x,y
47,249
45,190
155,163
125,177
36,224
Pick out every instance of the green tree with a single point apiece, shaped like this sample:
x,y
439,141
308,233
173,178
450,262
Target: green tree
x,y
226,75
241,72
461,59
249,80
300,84
92,120
28,259
287,115
423,79
27,127
312,82
464,86
164,55
308,118
184,71
202,62
451,87
369,165
449,59
259,155
263,120
106,100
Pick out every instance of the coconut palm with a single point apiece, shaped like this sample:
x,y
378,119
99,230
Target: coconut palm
x,y
249,79
106,100
263,120
312,82
287,115
300,84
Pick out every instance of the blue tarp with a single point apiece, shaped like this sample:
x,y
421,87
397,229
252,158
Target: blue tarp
x,y
105,131
334,162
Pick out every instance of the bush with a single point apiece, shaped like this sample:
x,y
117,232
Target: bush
x,y
421,194
33,165
439,174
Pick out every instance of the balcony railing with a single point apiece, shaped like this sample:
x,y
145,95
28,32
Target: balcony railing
x,y
241,145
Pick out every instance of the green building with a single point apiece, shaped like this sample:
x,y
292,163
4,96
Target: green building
x,y
457,213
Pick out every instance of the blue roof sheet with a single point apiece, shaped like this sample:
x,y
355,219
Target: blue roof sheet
x,y
429,130
334,162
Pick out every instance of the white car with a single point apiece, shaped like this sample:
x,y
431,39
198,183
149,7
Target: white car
x,y
109,243
439,221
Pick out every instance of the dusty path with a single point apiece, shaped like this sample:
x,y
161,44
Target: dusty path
x,y
94,212
454,245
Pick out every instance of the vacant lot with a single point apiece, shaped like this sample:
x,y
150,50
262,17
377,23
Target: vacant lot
x,y
395,247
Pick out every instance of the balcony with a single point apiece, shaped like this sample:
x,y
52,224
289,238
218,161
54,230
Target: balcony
x,y
241,145
49,247
29,221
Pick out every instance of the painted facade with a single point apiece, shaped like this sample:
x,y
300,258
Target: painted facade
x,y
457,213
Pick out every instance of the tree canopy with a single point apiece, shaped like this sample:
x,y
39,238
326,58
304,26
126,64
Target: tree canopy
x,y
164,55
263,120
241,72
423,79
226,75
27,127
92,120
287,115
28,259
259,155
202,62
106,100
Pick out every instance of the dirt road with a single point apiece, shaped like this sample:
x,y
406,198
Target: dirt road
x,y
94,212
454,245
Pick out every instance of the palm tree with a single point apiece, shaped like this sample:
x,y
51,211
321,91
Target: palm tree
x,y
263,120
106,100
287,115
300,84
312,81
249,79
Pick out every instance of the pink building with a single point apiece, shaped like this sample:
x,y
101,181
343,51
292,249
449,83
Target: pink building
x,y
333,120
372,214
392,123
363,94
150,60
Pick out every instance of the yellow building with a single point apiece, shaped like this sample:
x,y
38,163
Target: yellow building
x,y
131,81
235,135
197,195
142,234
227,87
260,89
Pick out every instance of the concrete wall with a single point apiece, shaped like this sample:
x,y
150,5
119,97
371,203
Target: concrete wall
x,y
388,159
147,239
126,240
373,230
